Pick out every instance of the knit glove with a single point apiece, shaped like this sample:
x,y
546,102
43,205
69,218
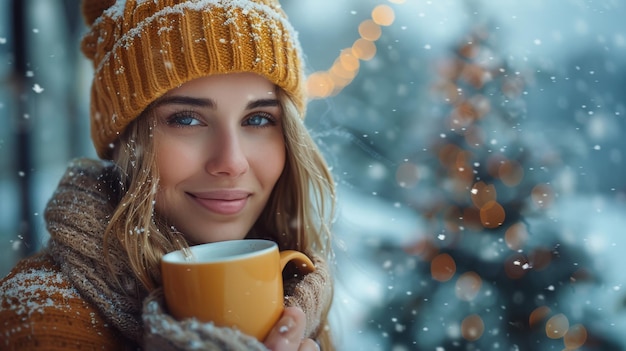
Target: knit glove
x,y
312,293
164,333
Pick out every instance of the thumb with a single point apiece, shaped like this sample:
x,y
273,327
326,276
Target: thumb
x,y
288,333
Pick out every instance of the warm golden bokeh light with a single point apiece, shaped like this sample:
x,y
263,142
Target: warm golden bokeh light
x,y
339,70
469,50
442,267
516,236
474,74
468,286
516,265
538,315
369,30
576,337
383,15
349,61
542,196
323,84
462,160
447,154
407,175
492,215
511,173
557,326
319,85
482,193
472,327
464,114
363,49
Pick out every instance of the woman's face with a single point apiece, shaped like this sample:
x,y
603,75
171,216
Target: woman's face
x,y
220,150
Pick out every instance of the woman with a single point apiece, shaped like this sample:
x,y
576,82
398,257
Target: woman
x,y
196,111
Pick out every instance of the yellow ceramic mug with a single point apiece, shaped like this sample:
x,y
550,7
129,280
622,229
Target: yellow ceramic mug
x,y
235,283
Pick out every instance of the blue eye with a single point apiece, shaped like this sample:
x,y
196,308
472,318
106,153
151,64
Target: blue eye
x,y
259,120
183,120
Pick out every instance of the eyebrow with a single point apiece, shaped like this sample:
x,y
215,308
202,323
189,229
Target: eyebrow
x,y
209,103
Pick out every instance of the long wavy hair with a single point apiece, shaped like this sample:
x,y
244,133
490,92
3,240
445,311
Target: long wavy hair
x,y
297,215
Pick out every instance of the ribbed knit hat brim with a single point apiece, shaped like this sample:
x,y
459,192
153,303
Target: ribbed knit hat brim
x,y
142,49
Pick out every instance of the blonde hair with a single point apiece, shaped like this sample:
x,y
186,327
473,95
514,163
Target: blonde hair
x,y
297,215
302,204
134,224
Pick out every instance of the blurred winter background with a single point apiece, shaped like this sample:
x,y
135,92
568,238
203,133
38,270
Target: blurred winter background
x,y
477,147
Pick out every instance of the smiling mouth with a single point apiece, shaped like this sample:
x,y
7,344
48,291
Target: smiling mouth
x,y
222,202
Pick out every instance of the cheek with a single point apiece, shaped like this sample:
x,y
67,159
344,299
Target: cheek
x,y
272,164
174,162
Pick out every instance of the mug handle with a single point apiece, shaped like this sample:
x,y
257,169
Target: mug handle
x,y
303,263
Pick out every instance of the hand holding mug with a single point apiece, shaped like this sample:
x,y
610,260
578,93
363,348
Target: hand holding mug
x,y
235,283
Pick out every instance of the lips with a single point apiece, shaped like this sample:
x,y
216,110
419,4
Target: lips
x,y
223,202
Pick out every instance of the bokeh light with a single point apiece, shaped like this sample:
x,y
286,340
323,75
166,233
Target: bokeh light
x,y
442,267
319,85
516,236
472,327
369,30
511,173
538,315
542,196
492,215
575,337
363,49
323,84
557,326
349,61
482,193
516,265
383,15
468,286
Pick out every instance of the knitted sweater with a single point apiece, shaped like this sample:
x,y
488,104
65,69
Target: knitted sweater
x,y
64,297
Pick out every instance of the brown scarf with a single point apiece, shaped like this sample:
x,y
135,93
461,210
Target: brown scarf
x,y
76,218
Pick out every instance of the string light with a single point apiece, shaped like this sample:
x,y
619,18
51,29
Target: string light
x,y
322,84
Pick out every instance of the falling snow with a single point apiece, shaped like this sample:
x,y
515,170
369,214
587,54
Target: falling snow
x,y
543,122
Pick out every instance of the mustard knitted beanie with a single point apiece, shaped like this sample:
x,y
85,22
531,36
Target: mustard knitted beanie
x,y
142,48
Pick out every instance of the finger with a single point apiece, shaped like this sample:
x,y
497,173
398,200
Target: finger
x,y
288,333
309,345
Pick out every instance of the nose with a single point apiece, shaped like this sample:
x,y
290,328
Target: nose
x,y
228,157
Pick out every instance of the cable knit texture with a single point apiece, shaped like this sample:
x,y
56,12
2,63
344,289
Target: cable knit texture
x,y
64,298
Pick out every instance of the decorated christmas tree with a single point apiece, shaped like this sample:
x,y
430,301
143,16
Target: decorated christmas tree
x,y
489,271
